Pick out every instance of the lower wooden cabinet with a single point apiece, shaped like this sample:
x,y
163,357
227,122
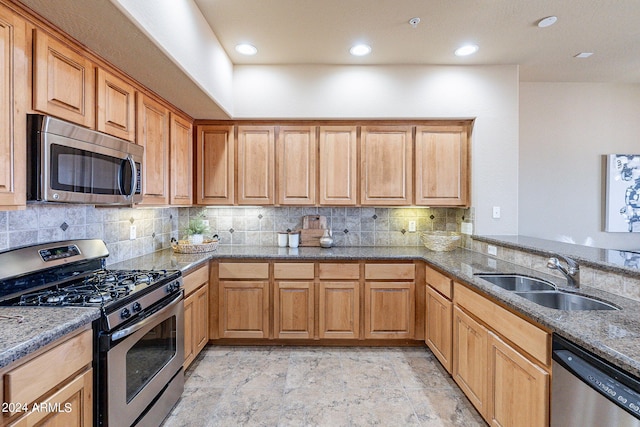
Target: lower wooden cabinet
x,y
506,383
339,310
517,388
389,309
470,358
293,308
68,387
244,309
438,329
196,313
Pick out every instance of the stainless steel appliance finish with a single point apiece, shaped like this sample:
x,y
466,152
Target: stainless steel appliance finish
x,y
139,342
588,391
71,164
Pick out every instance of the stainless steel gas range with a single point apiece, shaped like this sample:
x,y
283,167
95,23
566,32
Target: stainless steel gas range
x,y
138,345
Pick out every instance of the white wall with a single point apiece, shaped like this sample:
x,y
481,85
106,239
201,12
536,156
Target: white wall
x,y
565,129
488,94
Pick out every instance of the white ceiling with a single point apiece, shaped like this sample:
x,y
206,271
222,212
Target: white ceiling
x,y
321,32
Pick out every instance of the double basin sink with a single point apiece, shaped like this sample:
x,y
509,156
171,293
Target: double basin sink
x,y
544,293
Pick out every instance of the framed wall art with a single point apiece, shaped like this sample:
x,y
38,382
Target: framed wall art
x,y
623,193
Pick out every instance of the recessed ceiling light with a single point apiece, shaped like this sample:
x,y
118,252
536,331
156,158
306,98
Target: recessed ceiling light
x,y
360,50
547,22
246,49
466,50
583,55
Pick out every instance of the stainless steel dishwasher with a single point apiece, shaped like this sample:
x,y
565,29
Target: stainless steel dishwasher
x,y
588,391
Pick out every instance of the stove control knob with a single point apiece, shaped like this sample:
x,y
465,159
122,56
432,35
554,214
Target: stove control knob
x,y
171,287
136,307
125,313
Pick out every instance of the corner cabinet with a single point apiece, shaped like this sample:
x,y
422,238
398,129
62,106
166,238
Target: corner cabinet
x,y
153,134
13,86
442,166
215,165
63,81
386,166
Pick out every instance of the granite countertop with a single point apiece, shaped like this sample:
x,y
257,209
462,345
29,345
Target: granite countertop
x,y
613,335
24,330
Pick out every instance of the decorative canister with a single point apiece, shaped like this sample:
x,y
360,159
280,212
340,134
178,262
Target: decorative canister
x,y
283,238
294,239
326,241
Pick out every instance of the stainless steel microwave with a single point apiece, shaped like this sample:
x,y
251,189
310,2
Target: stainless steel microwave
x,y
67,163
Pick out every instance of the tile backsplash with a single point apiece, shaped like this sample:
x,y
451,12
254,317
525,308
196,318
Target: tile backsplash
x,y
362,226
40,223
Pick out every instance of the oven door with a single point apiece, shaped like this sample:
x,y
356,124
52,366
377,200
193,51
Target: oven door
x,y
143,359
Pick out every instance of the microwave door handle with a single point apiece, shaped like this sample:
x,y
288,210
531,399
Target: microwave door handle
x,y
137,326
128,193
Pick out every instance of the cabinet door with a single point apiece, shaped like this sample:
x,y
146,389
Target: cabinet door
x,y
339,310
297,158
153,134
244,309
181,159
215,165
115,106
338,165
438,332
189,329
293,309
63,80
389,309
470,359
386,173
518,388
442,175
75,401
201,330
256,158
13,87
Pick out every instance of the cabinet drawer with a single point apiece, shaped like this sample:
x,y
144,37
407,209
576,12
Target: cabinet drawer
x,y
331,271
244,270
525,335
28,382
195,279
439,282
389,271
292,270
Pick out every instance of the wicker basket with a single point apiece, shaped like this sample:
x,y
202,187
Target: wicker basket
x,y
184,247
441,241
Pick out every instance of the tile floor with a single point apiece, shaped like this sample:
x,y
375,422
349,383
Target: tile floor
x,y
320,386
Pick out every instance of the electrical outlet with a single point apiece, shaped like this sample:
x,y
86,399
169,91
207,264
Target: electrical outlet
x,y
496,212
466,228
491,263
492,250
132,232
412,226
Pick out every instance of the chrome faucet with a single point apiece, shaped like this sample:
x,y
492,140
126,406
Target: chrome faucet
x,y
572,272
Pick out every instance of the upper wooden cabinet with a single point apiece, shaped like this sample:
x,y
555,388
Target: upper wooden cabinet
x,y
215,165
441,160
296,162
386,172
338,165
63,80
181,160
13,86
256,159
153,134
115,106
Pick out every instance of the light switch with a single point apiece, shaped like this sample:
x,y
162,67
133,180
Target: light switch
x,y
132,232
412,226
496,212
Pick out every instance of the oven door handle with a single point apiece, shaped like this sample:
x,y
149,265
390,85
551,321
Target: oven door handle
x,y
137,326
